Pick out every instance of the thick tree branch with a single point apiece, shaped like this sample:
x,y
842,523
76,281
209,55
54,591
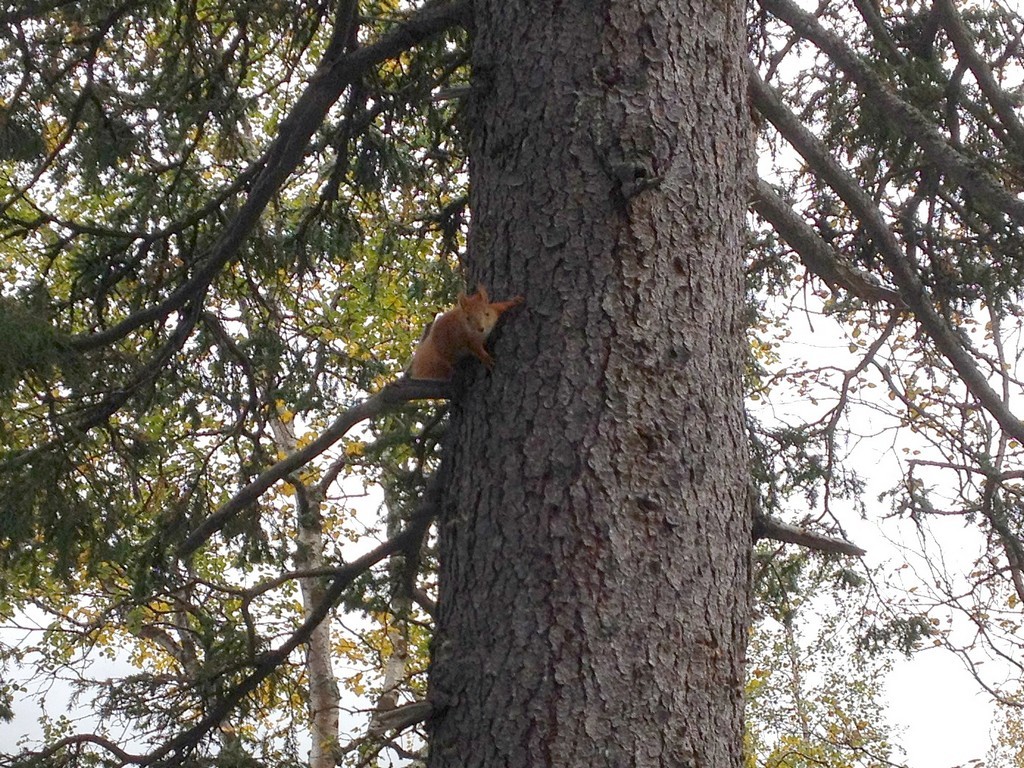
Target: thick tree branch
x,y
912,290
403,716
393,394
817,255
776,530
909,120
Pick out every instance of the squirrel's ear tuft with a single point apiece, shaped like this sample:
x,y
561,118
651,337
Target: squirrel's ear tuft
x,y
482,293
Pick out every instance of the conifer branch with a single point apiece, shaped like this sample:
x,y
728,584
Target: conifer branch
x,y
818,256
904,273
903,116
967,53
396,393
331,78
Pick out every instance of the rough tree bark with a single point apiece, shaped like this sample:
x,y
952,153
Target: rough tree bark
x,y
594,533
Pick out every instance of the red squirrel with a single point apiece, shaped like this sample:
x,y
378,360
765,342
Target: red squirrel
x,y
458,332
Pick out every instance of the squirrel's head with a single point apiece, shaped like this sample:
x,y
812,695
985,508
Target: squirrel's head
x,y
480,316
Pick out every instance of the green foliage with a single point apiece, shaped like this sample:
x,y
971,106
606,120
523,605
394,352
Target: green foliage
x,y
124,159
29,345
903,633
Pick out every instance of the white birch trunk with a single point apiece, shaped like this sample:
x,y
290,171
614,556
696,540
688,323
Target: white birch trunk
x,y
324,701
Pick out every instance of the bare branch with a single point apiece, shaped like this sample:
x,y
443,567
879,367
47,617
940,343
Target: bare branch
x,y
403,716
79,740
770,528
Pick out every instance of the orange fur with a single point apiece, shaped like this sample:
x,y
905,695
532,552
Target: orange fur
x,y
459,332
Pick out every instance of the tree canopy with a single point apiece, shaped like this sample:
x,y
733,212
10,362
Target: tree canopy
x,y
224,225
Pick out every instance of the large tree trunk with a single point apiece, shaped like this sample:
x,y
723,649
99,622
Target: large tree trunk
x,y
594,535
